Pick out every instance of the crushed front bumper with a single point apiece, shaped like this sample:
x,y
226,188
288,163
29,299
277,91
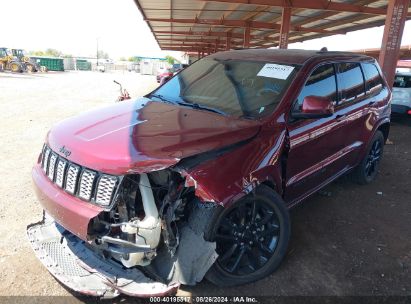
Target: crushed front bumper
x,y
70,261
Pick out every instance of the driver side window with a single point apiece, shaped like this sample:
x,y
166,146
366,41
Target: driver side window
x,y
322,82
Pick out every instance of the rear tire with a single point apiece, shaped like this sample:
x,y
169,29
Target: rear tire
x,y
251,236
30,68
367,170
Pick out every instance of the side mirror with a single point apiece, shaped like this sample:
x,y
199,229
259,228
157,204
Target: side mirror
x,y
315,107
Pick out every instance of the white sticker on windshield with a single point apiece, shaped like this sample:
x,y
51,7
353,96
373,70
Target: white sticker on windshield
x,y
273,70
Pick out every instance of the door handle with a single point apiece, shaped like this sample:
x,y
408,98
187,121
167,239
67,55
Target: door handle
x,y
340,117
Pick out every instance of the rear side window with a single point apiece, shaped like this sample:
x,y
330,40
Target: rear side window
x,y
373,78
402,81
322,83
351,82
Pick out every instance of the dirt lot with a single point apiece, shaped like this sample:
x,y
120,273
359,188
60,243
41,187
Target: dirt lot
x,y
347,240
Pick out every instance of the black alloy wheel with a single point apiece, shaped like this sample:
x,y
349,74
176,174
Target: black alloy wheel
x,y
251,238
247,237
367,170
373,158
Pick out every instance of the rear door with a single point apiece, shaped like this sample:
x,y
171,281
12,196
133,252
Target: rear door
x,y
360,90
315,145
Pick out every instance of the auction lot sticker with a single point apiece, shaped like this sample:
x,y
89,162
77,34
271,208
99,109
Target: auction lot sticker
x,y
273,70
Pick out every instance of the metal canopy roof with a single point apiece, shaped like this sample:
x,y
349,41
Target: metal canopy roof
x,y
207,25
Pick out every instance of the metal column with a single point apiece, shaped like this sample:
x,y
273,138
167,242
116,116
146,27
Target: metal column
x,y
285,27
391,42
228,42
246,37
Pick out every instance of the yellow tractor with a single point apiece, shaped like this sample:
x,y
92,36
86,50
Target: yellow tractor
x,y
28,63
8,62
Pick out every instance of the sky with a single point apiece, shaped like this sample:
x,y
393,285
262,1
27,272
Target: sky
x,y
75,26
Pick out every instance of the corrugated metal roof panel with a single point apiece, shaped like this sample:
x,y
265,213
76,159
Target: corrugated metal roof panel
x,y
170,32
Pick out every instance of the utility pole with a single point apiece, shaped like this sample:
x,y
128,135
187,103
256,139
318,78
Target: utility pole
x,y
97,53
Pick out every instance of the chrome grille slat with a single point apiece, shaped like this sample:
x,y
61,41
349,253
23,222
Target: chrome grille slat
x,y
42,155
52,166
77,180
61,167
86,184
105,189
46,159
71,179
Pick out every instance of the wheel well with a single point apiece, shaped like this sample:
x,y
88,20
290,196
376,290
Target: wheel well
x,y
385,129
270,184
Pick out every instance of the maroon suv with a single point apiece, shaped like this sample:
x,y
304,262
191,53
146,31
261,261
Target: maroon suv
x,y
196,178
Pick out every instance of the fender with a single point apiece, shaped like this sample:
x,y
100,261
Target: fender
x,y
255,162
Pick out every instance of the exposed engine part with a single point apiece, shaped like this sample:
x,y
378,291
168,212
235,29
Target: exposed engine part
x,y
172,209
147,207
148,230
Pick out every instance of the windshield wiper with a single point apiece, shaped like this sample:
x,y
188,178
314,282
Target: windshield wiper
x,y
201,107
162,98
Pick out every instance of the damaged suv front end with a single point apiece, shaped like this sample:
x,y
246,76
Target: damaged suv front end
x,y
111,243
132,193
125,224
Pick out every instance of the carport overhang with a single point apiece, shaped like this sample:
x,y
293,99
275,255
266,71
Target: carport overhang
x,y
208,26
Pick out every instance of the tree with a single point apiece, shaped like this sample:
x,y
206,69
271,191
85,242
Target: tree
x,y
134,59
53,53
170,59
47,52
103,55
122,58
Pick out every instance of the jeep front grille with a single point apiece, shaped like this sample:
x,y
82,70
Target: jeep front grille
x,y
82,182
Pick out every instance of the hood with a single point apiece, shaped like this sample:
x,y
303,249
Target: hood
x,y
401,96
143,136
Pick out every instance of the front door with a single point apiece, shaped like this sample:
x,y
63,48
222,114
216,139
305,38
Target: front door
x,y
316,145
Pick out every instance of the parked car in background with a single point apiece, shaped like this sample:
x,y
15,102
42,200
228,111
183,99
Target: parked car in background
x,y
177,67
401,93
196,178
167,73
170,72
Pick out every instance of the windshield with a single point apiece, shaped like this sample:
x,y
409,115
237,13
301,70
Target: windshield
x,y
402,81
237,88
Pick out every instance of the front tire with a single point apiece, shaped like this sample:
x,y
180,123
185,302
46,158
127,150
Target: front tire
x,y
15,67
367,170
251,236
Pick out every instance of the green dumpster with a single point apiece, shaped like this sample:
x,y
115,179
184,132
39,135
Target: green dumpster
x,y
51,63
83,65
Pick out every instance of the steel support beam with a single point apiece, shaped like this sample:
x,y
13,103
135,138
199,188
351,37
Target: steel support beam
x,y
244,24
204,46
228,42
211,34
195,40
391,40
202,34
246,43
312,4
285,27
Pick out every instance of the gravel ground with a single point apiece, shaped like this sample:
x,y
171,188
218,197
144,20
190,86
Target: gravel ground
x,y
346,240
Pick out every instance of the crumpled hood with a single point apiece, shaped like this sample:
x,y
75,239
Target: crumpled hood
x,y
143,136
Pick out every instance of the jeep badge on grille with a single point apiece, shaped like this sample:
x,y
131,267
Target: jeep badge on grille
x,y
65,151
